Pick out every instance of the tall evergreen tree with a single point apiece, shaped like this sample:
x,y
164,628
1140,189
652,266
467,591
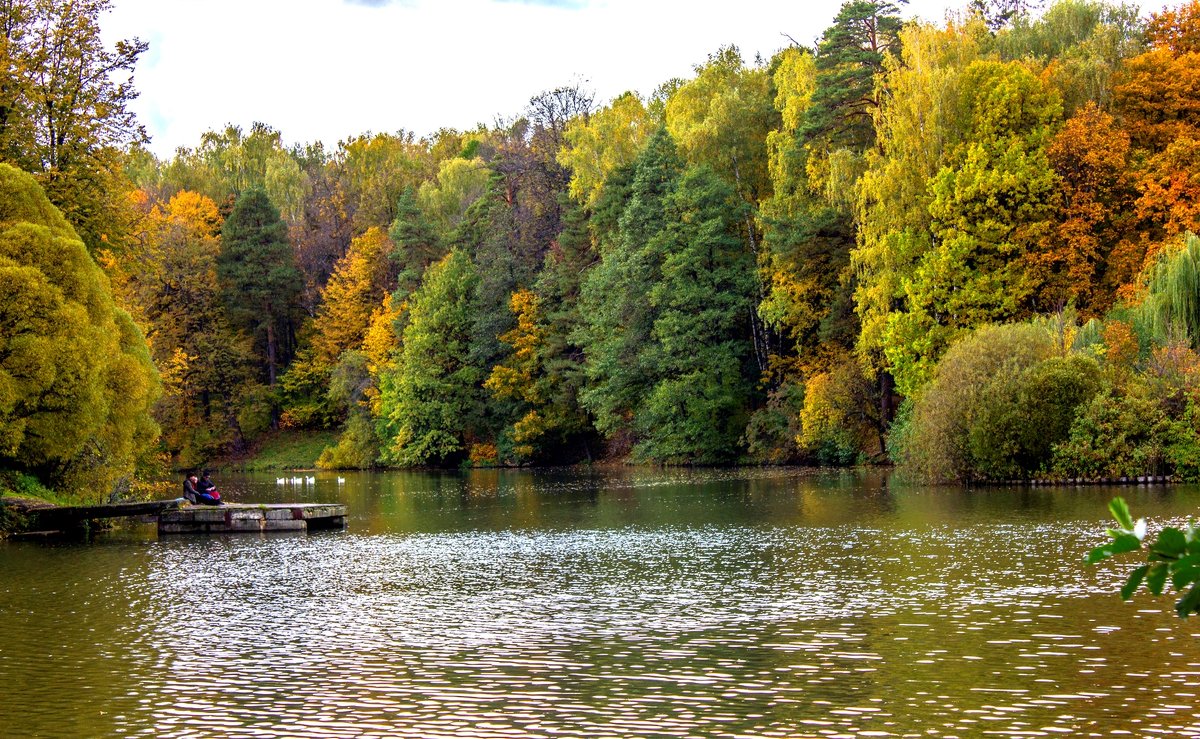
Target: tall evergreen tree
x,y
417,244
430,402
808,226
617,315
257,273
491,236
701,339
851,53
829,103
543,373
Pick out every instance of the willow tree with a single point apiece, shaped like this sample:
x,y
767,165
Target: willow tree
x,y
1172,291
76,379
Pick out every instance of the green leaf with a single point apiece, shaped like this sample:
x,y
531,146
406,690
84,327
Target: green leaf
x,y
1135,579
1120,511
1171,543
1189,602
1120,544
1185,575
1193,538
1157,578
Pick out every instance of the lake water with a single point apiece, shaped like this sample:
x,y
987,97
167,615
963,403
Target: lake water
x,y
700,603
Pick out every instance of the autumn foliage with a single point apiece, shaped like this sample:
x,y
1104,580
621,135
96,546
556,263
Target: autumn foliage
x,y
818,257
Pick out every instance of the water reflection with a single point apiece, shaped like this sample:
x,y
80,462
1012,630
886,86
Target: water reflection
x,y
627,603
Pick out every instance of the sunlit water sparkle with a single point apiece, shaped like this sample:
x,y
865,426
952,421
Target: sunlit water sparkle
x,y
751,603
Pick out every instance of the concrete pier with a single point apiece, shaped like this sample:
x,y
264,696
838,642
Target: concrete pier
x,y
249,518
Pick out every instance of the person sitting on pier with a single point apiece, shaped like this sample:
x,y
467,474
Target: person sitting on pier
x,y
193,493
207,487
189,488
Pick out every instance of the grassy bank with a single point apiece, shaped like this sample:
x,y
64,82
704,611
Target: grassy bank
x,y
285,450
19,492
20,486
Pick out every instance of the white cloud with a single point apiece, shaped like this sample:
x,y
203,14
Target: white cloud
x,y
328,69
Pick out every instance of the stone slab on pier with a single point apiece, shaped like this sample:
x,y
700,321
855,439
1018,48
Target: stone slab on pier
x,y
43,517
252,518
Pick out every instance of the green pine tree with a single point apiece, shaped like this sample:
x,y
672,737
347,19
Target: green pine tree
x,y
549,422
701,342
849,56
417,243
257,273
430,402
617,315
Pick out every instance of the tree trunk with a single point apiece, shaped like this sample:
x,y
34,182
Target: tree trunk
x,y
886,386
271,353
762,350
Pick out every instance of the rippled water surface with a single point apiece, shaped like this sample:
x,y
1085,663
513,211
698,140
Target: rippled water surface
x,y
743,603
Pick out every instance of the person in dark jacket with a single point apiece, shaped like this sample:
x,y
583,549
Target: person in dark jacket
x,y
189,488
207,487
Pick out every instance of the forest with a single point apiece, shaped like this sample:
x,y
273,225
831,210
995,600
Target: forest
x,y
966,247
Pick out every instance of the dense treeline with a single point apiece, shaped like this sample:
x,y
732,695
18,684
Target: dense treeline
x,y
963,245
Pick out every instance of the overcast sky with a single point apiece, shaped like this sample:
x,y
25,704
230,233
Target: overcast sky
x,y
329,69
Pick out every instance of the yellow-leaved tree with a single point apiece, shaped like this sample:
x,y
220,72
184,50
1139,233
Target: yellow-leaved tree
x,y
596,145
359,282
76,379
522,378
167,278
352,299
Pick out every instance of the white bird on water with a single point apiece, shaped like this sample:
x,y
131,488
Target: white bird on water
x,y
296,480
280,480
311,480
341,481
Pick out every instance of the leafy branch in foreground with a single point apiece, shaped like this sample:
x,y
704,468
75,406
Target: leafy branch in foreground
x,y
1175,554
